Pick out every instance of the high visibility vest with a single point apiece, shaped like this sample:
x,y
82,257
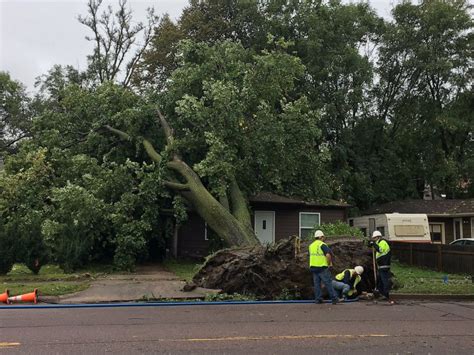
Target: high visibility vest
x,y
316,255
384,248
340,277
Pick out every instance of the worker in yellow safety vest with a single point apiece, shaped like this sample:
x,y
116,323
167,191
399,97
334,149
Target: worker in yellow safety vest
x,y
320,260
346,282
383,256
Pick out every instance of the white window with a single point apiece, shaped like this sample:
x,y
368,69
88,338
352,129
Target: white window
x,y
436,232
308,223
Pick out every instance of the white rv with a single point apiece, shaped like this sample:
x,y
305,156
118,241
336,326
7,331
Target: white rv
x,y
403,227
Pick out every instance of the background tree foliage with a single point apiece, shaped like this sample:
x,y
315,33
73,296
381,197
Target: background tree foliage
x,y
314,98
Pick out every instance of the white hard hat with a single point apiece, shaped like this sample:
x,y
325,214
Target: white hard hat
x,y
359,270
318,234
376,234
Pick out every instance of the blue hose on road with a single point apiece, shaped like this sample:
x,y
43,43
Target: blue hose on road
x,y
161,304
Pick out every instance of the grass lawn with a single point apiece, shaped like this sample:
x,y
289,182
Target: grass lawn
x,y
184,269
50,281
45,288
424,281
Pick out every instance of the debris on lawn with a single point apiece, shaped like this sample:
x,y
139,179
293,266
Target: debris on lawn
x,y
277,271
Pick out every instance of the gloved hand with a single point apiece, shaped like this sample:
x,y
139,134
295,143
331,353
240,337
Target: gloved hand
x,y
370,243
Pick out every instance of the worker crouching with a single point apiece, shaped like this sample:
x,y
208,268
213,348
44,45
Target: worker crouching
x,y
346,282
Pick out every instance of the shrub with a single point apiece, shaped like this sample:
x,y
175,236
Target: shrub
x,y
131,243
29,245
340,229
75,226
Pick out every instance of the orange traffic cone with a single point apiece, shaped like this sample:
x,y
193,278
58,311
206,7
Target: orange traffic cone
x,y
4,297
27,297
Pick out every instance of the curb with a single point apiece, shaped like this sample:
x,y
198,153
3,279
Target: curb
x,y
53,304
431,297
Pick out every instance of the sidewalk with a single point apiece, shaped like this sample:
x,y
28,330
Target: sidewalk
x,y
148,283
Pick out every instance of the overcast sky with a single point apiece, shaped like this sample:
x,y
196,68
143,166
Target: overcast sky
x,y
36,34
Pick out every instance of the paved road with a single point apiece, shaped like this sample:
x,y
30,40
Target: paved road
x,y
358,328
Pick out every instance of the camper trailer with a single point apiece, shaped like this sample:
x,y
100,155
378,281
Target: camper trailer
x,y
403,227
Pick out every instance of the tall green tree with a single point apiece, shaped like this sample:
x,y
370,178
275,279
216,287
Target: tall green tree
x,y
425,90
15,119
207,21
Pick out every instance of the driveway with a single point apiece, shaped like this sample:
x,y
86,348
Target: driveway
x,y
147,283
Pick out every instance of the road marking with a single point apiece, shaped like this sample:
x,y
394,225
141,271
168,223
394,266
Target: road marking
x,y
284,337
7,345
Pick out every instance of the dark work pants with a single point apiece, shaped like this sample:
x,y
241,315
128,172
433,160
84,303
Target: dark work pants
x,y
384,284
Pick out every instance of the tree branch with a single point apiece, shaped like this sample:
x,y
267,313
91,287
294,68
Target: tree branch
x,y
12,142
169,133
176,186
119,133
152,153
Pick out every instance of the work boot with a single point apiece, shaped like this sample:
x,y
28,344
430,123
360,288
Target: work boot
x,y
335,301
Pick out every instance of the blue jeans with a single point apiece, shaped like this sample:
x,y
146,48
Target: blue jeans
x,y
341,288
323,276
384,282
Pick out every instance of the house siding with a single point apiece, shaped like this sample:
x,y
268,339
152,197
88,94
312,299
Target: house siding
x,y
287,217
449,227
466,227
192,244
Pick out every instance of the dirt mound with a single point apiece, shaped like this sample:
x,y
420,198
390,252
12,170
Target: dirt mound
x,y
276,271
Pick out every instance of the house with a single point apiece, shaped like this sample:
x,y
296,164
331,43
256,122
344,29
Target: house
x,y
448,219
274,218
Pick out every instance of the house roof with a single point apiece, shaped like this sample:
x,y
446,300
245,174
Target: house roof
x,y
269,197
429,207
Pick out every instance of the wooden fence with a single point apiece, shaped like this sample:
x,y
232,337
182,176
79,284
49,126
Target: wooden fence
x,y
446,258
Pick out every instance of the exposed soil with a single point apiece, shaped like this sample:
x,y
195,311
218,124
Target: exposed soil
x,y
276,271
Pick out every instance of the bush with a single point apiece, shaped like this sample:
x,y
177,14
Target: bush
x,y
131,243
340,229
29,245
75,227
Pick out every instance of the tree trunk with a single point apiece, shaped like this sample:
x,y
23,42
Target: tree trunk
x,y
228,227
240,209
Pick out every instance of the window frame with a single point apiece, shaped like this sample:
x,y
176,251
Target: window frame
x,y
312,228
443,234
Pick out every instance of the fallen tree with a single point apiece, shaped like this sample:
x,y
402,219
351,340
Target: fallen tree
x,y
234,228
276,271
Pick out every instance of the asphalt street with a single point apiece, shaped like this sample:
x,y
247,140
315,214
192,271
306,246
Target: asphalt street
x,y
356,328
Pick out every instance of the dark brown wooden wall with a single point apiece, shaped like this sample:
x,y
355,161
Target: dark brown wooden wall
x,y
287,217
466,226
449,229
191,242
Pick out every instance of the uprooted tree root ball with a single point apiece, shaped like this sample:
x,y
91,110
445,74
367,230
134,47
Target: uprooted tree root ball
x,y
277,271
